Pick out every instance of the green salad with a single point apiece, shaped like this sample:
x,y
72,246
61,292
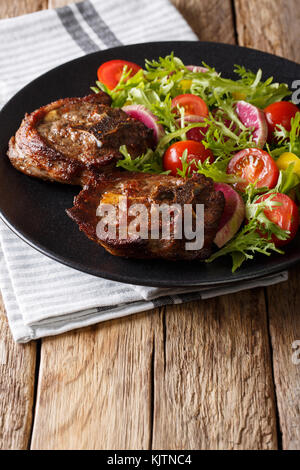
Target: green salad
x,y
242,133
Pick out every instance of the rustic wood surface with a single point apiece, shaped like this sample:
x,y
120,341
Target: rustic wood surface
x,y
274,27
212,374
95,387
284,324
268,25
213,387
17,374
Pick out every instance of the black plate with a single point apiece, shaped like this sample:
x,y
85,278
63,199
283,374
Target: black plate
x,y
35,210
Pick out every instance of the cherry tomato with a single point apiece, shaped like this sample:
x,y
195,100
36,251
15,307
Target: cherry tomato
x,y
195,151
280,113
110,72
286,216
192,104
254,165
286,159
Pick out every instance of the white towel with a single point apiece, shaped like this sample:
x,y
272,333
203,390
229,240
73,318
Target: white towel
x,y
41,296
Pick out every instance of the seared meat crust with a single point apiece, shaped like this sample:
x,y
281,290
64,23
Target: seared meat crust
x,y
148,189
72,139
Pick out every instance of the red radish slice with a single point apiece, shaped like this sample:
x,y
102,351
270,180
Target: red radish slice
x,y
196,68
233,215
253,117
198,133
141,113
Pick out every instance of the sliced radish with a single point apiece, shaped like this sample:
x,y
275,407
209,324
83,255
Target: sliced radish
x,y
198,133
253,117
141,113
233,215
196,68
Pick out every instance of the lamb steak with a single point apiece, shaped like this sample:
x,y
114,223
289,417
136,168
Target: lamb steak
x,y
72,139
151,191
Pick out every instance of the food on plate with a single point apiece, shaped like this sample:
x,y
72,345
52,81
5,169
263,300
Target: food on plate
x,y
149,190
286,159
280,114
192,105
111,72
195,152
253,118
197,133
197,68
233,214
141,113
231,119
282,211
167,129
254,166
73,138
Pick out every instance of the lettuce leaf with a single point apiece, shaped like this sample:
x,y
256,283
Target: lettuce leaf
x,y
245,245
150,162
288,140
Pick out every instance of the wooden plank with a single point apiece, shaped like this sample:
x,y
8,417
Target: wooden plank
x,y
269,26
95,387
211,20
17,370
10,8
17,362
213,378
284,308
274,27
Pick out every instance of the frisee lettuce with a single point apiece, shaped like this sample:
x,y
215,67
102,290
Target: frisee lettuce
x,y
287,180
255,211
186,166
217,171
249,239
289,141
245,245
222,139
213,88
150,162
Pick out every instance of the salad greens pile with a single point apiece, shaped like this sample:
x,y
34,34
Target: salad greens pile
x,y
164,79
168,77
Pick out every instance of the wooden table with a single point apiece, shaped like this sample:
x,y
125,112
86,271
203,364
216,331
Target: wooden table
x,y
215,374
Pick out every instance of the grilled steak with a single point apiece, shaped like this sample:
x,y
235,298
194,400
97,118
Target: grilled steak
x,y
74,138
140,188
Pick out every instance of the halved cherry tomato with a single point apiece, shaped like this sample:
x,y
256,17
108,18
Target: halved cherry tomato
x,y
195,151
110,72
286,216
192,104
280,113
254,165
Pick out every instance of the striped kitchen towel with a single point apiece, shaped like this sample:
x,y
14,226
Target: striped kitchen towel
x,y
41,296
